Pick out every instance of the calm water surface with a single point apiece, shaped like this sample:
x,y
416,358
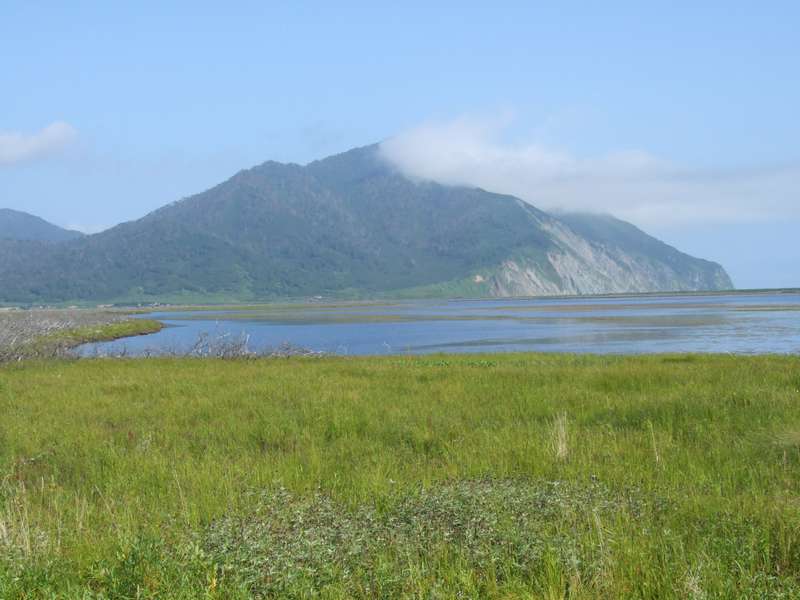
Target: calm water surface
x,y
742,322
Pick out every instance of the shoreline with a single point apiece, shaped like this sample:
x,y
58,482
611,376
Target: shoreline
x,y
34,337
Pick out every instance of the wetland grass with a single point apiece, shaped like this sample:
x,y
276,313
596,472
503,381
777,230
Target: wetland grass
x,y
499,476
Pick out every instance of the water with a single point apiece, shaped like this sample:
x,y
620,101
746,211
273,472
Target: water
x,y
742,322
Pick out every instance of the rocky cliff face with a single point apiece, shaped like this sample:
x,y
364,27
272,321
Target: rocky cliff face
x,y
580,265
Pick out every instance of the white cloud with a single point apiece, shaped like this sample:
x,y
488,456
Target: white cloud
x,y
633,185
20,147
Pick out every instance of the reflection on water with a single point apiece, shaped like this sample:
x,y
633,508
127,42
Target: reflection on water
x,y
744,322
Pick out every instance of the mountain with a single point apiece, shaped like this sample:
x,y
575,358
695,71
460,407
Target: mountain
x,y
348,226
17,225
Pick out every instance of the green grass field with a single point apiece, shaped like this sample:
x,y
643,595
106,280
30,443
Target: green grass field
x,y
499,476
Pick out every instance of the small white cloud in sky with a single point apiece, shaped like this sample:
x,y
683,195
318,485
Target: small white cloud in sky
x,y
18,147
632,185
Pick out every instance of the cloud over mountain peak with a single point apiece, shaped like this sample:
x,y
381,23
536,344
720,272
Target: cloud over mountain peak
x,y
631,184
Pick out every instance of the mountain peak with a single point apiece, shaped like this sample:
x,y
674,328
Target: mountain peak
x,y
351,166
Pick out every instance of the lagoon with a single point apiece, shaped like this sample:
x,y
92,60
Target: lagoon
x,y
737,322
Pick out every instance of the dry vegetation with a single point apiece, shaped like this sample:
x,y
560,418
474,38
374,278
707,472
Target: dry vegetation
x,y
48,333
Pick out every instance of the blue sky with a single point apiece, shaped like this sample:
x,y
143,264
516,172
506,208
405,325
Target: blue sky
x,y
679,117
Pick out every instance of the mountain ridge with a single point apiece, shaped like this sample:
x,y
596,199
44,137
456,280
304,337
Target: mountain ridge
x,y
22,226
349,225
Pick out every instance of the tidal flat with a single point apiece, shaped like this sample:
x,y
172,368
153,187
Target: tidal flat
x,y
498,475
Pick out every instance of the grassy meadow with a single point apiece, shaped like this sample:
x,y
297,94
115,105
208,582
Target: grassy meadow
x,y
470,476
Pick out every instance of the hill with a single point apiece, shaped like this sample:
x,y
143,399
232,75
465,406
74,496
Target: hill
x,y
349,225
18,225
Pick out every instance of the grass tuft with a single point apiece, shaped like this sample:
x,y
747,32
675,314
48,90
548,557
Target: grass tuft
x,y
560,437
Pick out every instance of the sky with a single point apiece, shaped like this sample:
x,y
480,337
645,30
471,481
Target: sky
x,y
681,117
